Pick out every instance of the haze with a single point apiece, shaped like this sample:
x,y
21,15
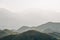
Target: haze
x,y
28,12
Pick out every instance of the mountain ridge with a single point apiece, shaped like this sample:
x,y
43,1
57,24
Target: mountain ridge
x,y
29,35
48,25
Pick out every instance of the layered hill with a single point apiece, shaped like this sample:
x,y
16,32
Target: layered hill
x,y
46,28
50,27
6,32
25,28
30,35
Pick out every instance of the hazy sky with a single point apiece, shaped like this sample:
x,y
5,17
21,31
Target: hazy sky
x,y
28,12
20,5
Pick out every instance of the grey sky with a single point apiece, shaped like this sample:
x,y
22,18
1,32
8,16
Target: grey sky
x,y
28,12
20,5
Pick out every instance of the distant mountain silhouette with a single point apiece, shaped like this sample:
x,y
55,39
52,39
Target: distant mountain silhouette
x,y
7,18
46,28
23,29
4,13
30,35
49,27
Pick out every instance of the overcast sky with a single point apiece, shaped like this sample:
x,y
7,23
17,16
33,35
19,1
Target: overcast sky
x,y
28,12
20,5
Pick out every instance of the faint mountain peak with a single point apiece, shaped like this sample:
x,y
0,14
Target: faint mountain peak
x,y
49,22
4,9
53,22
23,27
